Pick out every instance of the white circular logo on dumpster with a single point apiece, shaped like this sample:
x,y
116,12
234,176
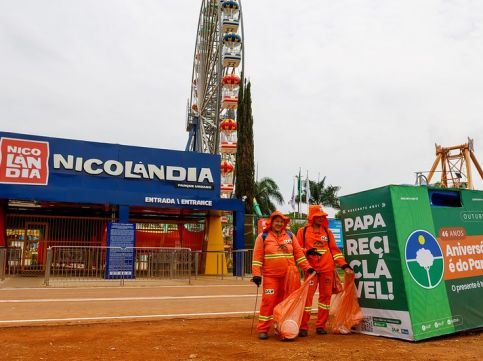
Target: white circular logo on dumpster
x,y
424,259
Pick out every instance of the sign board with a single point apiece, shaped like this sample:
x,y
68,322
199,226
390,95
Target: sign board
x,y
121,239
418,261
335,225
42,168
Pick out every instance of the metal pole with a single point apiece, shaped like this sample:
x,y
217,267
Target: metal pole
x,y
243,264
47,266
196,264
190,262
171,265
223,256
3,258
123,263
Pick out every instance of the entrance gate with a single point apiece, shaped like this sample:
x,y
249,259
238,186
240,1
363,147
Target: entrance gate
x,y
28,237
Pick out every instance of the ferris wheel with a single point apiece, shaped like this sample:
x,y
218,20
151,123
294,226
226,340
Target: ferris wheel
x,y
217,68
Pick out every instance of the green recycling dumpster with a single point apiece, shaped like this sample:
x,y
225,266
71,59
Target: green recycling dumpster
x,y
418,257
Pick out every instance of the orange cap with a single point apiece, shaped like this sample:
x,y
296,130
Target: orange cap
x,y
316,210
285,219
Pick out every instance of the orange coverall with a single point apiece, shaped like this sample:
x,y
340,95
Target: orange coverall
x,y
324,265
271,259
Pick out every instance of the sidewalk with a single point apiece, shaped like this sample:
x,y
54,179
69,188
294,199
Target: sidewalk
x,y
26,301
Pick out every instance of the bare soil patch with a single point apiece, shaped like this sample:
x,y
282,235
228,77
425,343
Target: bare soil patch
x,y
217,339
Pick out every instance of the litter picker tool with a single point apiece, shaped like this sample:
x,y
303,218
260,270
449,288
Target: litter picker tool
x,y
254,311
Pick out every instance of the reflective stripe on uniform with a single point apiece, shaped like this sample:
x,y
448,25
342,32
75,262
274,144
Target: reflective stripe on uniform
x,y
321,251
279,255
257,263
265,318
323,306
308,309
301,259
337,256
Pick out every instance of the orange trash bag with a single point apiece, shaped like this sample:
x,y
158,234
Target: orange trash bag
x,y
345,311
292,280
287,315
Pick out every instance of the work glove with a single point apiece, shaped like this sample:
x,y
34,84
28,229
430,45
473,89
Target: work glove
x,y
310,271
312,252
347,268
257,280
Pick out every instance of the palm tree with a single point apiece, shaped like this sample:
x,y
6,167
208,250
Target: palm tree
x,y
266,193
322,194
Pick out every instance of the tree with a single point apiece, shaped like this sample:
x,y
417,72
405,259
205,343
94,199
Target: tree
x,y
325,195
425,259
266,193
245,164
321,194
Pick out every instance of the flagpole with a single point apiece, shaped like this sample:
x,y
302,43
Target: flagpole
x,y
307,192
298,203
292,198
299,190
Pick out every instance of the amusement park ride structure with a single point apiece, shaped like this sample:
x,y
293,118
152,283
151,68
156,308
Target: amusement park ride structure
x,y
217,70
212,107
455,166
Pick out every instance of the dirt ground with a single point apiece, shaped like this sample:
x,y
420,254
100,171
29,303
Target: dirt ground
x,y
216,339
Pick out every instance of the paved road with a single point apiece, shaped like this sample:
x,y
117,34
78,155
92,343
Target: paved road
x,y
41,305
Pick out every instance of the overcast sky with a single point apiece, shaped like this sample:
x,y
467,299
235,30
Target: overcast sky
x,y
358,91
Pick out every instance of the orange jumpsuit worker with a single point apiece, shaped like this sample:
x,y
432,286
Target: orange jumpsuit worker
x,y
321,251
275,251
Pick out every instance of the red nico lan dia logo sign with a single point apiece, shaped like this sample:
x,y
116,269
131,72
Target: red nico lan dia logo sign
x,y
24,161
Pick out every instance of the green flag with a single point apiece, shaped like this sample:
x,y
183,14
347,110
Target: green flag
x,y
256,207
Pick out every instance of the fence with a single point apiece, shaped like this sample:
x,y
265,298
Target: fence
x,y
244,258
78,263
101,263
202,258
236,262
